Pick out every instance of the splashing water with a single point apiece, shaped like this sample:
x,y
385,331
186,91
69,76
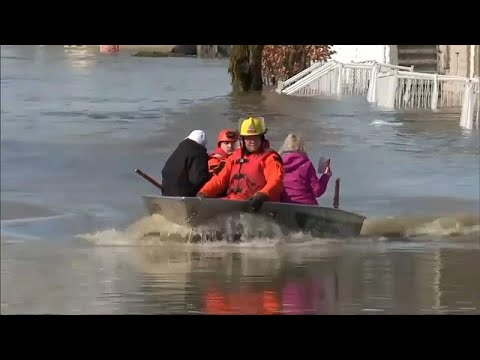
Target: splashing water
x,y
452,225
151,230
378,122
254,231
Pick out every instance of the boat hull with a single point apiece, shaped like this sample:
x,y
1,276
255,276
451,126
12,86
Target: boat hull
x,y
315,220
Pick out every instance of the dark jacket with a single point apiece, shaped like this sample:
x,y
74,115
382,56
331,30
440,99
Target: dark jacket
x,y
186,170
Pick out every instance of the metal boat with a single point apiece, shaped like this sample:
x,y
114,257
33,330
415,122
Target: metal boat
x,y
315,220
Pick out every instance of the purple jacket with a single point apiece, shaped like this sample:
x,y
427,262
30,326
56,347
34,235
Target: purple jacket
x,y
301,184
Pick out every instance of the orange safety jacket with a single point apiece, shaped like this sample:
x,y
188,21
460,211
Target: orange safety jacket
x,y
216,161
245,174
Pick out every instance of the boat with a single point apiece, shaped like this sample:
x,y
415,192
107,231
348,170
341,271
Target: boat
x,y
315,220
227,218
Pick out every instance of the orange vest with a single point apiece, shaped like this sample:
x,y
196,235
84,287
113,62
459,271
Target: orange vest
x,y
216,163
247,176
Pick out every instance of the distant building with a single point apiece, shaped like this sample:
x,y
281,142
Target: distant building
x,y
358,53
459,60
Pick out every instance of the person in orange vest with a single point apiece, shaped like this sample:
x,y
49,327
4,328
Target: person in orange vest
x,y
253,172
226,141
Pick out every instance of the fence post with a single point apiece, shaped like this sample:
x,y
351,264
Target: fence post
x,y
340,79
279,86
372,87
435,93
466,117
392,90
477,100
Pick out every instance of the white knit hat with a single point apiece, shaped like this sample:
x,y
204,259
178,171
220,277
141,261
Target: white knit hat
x,y
199,137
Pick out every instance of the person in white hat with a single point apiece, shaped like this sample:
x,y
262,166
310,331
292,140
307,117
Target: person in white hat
x,y
199,137
186,170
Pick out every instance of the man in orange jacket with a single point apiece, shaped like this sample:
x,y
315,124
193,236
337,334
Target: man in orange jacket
x,y
253,172
225,146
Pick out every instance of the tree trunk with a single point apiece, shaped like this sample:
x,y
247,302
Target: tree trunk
x,y
246,67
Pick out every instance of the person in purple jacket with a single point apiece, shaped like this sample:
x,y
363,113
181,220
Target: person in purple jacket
x,y
301,184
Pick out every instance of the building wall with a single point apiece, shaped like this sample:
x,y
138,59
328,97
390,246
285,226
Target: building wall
x,y
461,60
355,53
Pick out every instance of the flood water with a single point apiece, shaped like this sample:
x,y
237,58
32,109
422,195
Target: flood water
x,y
76,239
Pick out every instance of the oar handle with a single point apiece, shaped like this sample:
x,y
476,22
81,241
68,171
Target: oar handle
x,y
149,178
336,197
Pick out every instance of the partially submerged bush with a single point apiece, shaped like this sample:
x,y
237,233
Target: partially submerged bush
x,y
280,62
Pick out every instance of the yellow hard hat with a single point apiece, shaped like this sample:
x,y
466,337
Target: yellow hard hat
x,y
252,125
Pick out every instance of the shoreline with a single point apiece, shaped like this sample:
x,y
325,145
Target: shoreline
x,y
133,48
151,51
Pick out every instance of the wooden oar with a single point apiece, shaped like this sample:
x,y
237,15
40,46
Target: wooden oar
x,y
336,197
323,164
149,179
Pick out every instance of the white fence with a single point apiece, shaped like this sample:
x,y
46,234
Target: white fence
x,y
389,86
334,78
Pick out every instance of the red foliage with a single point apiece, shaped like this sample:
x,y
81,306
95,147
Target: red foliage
x,y
280,62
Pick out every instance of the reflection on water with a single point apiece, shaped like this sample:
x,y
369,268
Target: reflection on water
x,y
244,301
347,278
297,297
80,58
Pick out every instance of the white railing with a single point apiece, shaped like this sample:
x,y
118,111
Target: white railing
x,y
322,81
305,77
414,90
335,78
293,79
471,105
389,86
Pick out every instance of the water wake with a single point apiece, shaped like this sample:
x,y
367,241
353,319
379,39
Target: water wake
x,y
378,122
151,230
254,231
428,227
